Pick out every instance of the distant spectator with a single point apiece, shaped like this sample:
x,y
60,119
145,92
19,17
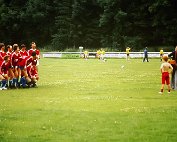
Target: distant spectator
x,y
161,54
145,54
128,53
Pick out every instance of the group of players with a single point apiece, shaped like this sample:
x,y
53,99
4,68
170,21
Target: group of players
x,y
100,54
18,66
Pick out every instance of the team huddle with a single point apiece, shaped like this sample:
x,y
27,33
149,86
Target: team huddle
x,y
18,67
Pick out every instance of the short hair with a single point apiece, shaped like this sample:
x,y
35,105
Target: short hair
x,y
33,53
6,57
165,58
1,45
33,43
15,46
23,45
8,46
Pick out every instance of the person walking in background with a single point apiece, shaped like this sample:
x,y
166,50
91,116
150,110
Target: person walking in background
x,y
173,62
128,53
161,54
165,68
145,54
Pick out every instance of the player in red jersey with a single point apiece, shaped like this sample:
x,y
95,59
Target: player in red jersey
x,y
33,74
2,52
32,69
23,67
6,65
11,74
9,50
33,48
15,58
23,51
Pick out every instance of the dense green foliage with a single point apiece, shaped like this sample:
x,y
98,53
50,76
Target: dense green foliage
x,y
91,101
89,23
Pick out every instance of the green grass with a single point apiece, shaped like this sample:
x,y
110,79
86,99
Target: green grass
x,y
91,101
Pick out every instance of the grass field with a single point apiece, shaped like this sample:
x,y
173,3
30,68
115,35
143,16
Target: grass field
x,y
91,101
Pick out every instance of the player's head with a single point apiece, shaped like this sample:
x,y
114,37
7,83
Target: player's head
x,y
23,46
6,58
165,58
33,45
15,47
9,47
33,54
2,46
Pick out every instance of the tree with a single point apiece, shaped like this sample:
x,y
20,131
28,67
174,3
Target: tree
x,y
85,21
61,39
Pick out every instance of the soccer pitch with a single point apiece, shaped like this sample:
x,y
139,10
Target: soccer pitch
x,y
81,100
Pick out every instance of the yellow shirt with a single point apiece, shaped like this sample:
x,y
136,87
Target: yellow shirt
x,y
102,52
161,51
98,52
128,50
86,52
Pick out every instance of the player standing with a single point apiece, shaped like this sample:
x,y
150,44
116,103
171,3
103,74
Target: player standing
x,y
86,54
161,54
34,49
102,55
15,58
128,53
2,53
165,68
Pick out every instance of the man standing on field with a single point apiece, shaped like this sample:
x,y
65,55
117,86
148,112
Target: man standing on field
x,y
165,68
161,54
128,53
145,55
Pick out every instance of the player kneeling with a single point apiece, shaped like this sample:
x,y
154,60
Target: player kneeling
x,y
33,74
32,69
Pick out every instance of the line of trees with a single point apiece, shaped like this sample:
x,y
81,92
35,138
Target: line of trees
x,y
90,23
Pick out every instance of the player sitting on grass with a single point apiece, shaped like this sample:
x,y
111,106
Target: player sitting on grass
x,y
165,68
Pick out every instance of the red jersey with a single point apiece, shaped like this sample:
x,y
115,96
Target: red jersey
x,y
15,58
32,50
5,67
32,72
24,54
25,61
32,61
2,54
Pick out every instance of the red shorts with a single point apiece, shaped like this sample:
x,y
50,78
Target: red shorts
x,y
165,78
